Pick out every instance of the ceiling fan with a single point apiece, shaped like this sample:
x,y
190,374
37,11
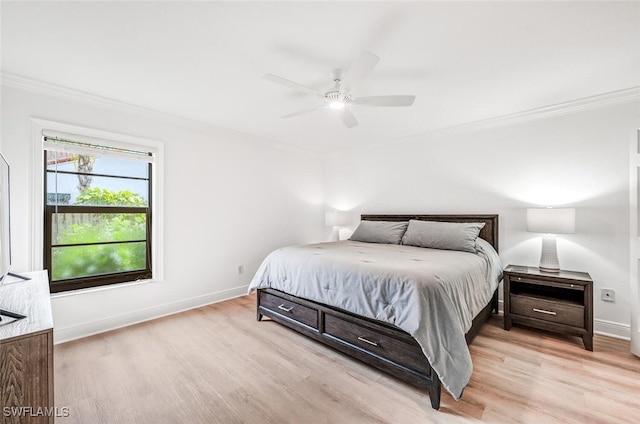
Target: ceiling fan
x,y
339,96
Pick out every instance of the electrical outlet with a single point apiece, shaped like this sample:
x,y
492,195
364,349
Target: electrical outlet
x,y
608,295
240,269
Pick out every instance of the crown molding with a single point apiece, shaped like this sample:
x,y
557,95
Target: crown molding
x,y
53,90
626,95
573,106
41,87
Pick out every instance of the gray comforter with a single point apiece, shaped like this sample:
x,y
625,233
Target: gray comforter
x,y
431,294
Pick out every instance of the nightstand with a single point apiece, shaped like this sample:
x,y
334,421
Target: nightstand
x,y
561,301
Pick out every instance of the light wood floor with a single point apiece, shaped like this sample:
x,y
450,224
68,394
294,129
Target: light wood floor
x,y
217,364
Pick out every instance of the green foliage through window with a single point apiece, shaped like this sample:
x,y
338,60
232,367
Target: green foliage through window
x,y
101,197
85,228
101,259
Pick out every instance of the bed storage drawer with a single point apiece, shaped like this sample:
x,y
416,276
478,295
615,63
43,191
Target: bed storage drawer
x,y
379,342
289,309
548,310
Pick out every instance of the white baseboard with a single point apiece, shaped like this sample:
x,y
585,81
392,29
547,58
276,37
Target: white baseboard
x,y
62,335
612,329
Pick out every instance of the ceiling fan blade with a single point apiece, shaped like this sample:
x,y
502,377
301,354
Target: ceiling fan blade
x,y
347,117
301,112
359,70
290,84
384,101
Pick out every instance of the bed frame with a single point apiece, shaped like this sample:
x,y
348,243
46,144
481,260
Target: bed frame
x,y
376,343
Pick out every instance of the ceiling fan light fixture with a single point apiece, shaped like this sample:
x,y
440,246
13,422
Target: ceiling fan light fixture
x,y
340,94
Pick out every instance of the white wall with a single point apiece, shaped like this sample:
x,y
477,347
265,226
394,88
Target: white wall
x,y
577,159
229,199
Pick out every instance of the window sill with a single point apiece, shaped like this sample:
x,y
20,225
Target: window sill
x,y
103,288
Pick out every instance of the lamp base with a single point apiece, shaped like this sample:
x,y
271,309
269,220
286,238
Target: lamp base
x,y
543,269
549,256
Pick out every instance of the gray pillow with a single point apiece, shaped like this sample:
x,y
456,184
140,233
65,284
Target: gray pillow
x,y
379,232
443,235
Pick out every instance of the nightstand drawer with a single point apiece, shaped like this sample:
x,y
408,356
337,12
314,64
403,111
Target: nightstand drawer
x,y
562,313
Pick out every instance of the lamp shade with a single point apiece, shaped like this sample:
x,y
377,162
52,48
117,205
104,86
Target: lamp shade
x,y
551,220
336,219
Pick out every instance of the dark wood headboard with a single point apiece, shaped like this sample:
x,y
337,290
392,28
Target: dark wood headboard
x,y
489,232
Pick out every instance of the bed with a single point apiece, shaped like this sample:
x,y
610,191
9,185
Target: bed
x,y
401,306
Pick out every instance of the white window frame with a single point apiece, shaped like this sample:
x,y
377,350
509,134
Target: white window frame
x,y
40,126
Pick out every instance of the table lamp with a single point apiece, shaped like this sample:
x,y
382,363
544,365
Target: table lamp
x,y
550,221
336,219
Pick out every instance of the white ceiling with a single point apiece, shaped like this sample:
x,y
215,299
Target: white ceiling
x,y
465,61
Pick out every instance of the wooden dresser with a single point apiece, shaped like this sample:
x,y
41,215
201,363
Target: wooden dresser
x,y
26,352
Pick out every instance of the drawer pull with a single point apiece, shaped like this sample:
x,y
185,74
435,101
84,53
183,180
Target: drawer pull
x,y
282,308
542,311
362,339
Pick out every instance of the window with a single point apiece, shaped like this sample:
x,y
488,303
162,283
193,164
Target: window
x,y
98,212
